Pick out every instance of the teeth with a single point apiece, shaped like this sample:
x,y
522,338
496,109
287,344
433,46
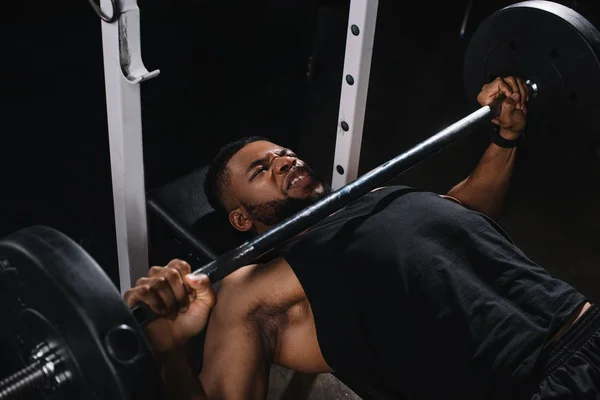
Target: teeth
x,y
296,179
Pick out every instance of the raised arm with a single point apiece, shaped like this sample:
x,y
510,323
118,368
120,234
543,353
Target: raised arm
x,y
236,353
184,302
237,356
485,189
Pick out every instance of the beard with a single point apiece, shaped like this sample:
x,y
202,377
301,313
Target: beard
x,y
273,212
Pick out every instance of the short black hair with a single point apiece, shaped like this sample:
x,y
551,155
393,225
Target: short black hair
x,y
217,179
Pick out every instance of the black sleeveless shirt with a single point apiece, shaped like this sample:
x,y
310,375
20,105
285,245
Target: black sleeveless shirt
x,y
417,295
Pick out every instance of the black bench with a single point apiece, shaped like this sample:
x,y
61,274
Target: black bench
x,y
182,224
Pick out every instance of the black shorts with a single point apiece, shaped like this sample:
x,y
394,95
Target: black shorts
x,y
573,367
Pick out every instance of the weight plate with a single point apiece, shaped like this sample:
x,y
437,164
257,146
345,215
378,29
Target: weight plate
x,y
52,291
556,48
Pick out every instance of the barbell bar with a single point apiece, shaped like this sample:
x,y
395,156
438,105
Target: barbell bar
x,y
52,368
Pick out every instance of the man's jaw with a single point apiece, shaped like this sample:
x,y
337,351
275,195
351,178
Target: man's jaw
x,y
272,212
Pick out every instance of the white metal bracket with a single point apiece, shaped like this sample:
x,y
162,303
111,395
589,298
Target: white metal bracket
x,y
123,72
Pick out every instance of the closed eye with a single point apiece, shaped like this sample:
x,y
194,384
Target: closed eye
x,y
258,171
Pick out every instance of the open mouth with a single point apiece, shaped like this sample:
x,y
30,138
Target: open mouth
x,y
295,177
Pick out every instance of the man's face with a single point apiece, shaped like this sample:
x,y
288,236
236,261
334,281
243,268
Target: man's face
x,y
270,184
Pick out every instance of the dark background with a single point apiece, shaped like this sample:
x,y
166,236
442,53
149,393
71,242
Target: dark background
x,y
236,68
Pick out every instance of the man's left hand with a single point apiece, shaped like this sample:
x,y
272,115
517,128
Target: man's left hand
x,y
513,117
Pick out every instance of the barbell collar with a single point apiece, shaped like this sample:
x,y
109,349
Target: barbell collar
x,y
45,371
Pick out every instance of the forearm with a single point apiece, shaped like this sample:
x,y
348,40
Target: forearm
x,y
180,382
485,189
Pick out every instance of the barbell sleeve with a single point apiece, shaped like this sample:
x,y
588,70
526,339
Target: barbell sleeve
x,y
251,250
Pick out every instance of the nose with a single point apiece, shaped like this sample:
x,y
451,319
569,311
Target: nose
x,y
284,164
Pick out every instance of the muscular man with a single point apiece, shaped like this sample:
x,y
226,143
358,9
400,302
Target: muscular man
x,y
404,290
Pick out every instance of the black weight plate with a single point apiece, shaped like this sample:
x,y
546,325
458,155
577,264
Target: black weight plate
x,y
556,48
51,290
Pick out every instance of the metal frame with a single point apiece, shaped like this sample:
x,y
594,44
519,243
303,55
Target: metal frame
x,y
362,20
124,71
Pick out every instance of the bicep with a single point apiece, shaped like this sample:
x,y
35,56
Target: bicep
x,y
236,363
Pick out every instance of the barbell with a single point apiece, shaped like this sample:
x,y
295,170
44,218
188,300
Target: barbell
x,y
76,338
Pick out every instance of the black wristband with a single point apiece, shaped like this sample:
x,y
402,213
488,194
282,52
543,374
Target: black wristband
x,y
497,139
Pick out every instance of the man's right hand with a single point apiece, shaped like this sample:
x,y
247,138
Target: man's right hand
x,y
183,300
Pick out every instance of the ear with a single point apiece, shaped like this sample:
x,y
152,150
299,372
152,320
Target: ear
x,y
240,220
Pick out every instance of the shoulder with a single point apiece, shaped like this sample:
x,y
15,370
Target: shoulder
x,y
451,198
273,283
256,274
